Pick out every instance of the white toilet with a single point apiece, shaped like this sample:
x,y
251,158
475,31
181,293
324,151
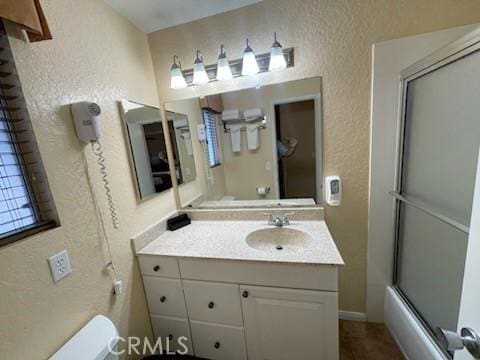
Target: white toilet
x,y
94,341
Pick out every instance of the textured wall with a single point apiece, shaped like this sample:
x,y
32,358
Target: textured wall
x,y
332,39
95,55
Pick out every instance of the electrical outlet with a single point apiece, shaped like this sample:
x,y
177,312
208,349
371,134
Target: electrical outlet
x,y
60,265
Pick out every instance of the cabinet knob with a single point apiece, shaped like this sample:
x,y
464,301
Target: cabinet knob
x,y
217,345
245,294
170,337
163,299
211,304
156,268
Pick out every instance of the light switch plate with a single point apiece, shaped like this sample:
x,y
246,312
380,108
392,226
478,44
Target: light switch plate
x,y
60,265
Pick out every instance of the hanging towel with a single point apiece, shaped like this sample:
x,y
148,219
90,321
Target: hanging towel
x,y
188,143
252,137
252,114
232,114
235,135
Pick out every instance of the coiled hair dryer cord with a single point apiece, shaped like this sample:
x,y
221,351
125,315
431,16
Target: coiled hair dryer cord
x,y
97,150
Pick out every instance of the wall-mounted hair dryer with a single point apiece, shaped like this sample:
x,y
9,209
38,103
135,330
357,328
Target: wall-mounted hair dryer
x,y
87,122
86,117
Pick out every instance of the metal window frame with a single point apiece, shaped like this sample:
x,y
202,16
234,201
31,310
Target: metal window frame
x,y
457,50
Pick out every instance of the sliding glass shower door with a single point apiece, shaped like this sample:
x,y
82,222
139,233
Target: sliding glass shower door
x,y
438,154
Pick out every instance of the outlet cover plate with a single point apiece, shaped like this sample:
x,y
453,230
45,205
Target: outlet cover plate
x,y
60,265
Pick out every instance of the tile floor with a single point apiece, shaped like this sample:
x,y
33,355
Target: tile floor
x,y
358,341
367,341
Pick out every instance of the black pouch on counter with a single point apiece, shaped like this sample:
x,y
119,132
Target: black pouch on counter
x,y
178,222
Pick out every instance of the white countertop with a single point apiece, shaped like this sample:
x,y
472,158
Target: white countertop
x,y
225,240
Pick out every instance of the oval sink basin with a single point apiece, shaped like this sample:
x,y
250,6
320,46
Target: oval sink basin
x,y
278,239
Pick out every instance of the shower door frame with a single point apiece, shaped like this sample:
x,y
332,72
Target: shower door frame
x,y
461,48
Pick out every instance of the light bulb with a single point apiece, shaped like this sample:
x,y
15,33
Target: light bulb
x,y
277,60
177,81
249,64
200,76
223,67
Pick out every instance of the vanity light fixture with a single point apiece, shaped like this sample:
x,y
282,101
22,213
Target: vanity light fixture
x,y
249,65
200,76
177,81
223,67
277,59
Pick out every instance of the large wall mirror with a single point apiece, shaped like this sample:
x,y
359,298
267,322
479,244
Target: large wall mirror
x,y
148,148
255,147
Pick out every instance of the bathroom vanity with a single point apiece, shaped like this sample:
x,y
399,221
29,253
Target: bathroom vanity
x,y
243,289
234,286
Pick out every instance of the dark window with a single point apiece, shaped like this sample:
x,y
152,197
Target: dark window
x,y
209,118
26,204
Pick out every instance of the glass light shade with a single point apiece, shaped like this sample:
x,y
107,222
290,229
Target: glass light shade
x,y
277,60
200,76
177,81
249,65
223,69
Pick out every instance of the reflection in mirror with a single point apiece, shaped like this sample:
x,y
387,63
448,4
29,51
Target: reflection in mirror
x,y
182,146
148,148
257,147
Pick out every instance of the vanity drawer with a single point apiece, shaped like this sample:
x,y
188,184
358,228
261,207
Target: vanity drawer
x,y
296,276
171,330
165,296
213,302
159,266
218,342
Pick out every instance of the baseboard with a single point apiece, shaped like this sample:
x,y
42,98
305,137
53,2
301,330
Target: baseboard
x,y
352,315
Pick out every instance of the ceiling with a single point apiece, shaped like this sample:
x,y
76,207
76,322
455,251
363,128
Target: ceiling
x,y
153,15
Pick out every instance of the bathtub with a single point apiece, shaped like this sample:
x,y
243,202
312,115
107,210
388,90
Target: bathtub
x,y
413,340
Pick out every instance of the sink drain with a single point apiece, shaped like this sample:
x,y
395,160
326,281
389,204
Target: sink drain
x,y
279,247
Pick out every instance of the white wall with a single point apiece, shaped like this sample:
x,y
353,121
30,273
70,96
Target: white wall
x,y
389,58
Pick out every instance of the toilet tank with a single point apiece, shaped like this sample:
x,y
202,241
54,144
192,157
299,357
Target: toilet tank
x,y
92,342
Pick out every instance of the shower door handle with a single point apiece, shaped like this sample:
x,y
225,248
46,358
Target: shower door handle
x,y
468,339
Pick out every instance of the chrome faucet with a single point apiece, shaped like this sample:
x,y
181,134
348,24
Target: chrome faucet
x,y
279,219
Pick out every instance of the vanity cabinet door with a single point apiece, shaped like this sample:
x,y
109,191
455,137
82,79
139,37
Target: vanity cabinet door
x,y
213,302
165,296
153,265
218,342
285,324
173,333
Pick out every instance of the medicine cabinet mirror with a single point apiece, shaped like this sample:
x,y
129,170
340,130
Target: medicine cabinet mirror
x,y
148,148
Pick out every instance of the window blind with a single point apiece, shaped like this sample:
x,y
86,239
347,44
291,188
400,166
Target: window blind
x,y
209,118
26,203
